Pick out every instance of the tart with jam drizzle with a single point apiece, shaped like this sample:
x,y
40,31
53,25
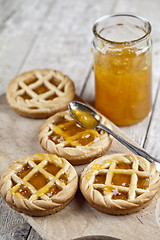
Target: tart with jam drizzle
x,y
119,183
39,185
61,135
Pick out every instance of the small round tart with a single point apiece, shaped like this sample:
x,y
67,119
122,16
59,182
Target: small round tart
x,y
119,183
61,135
40,93
39,185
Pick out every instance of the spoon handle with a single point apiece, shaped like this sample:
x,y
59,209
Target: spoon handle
x,y
131,147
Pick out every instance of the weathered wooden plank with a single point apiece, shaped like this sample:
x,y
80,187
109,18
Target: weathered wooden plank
x,y
9,221
7,8
26,42
78,218
65,39
33,235
22,232
17,36
18,30
12,223
152,143
30,55
78,50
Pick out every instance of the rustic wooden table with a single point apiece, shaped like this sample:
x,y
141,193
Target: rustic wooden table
x,y
57,34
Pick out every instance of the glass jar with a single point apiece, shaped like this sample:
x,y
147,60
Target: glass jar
x,y
122,67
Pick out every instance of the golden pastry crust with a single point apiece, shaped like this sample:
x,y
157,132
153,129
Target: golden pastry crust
x,y
119,183
74,148
40,93
39,185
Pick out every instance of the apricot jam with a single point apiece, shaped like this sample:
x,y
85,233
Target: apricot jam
x,y
122,66
100,178
55,81
119,195
121,179
86,119
38,180
24,191
143,183
51,168
123,86
115,193
123,165
63,178
24,171
25,96
31,81
72,134
51,97
41,89
53,191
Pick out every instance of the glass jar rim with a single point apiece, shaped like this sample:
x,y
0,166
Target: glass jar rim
x,y
99,20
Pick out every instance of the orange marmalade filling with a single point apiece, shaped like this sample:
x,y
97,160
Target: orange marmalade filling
x,y
86,119
72,135
30,81
115,194
63,178
53,191
41,89
143,183
119,195
119,179
100,178
123,84
55,81
24,191
25,96
38,90
123,165
24,171
51,168
38,180
51,97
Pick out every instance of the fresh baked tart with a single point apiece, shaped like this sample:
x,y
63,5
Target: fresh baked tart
x,y
61,135
39,185
40,93
119,183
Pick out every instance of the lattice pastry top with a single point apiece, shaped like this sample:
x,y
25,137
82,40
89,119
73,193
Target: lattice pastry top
x,y
119,183
40,93
39,185
61,135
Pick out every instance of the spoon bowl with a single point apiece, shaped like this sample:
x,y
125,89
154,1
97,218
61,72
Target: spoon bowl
x,y
85,116
89,118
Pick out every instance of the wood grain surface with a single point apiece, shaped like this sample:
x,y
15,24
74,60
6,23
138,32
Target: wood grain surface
x,y
57,34
78,218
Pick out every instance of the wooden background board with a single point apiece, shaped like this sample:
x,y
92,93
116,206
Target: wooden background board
x,y
78,218
57,34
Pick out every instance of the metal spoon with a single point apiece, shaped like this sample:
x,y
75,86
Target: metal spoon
x,y
75,105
